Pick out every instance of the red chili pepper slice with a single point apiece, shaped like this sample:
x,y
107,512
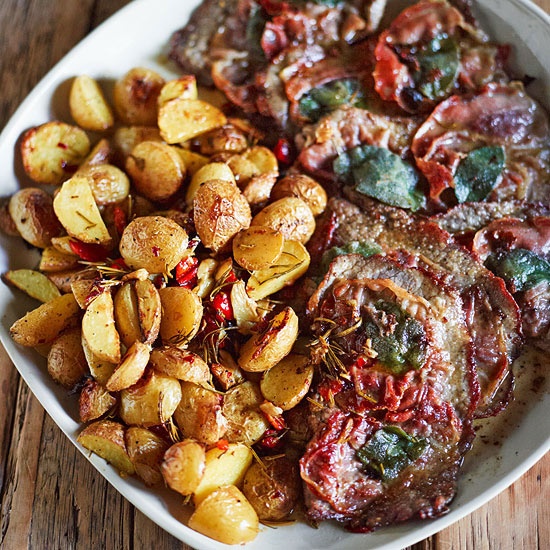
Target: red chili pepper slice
x,y
223,310
283,151
120,219
90,252
186,272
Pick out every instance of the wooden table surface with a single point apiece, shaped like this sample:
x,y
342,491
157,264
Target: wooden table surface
x,y
51,497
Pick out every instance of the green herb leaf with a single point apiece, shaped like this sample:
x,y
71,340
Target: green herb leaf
x,y
378,173
390,450
324,99
520,267
479,173
364,248
438,64
399,339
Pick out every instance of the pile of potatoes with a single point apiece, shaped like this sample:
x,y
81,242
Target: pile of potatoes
x,y
161,247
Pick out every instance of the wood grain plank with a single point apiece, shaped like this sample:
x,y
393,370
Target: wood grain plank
x,y
21,471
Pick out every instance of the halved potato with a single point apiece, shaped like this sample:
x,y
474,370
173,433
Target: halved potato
x,y
94,401
303,187
99,330
126,138
182,119
180,364
181,315
53,151
226,516
101,153
85,290
245,309
109,184
210,171
184,87
288,382
289,215
52,260
156,169
105,438
77,211
264,350
257,247
31,210
146,451
88,105
130,369
220,212
151,401
66,361
149,309
99,369
43,324
183,466
289,267
126,314
136,96
223,467
192,161
33,283
199,414
245,420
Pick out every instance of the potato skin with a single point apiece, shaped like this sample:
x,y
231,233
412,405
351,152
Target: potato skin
x,y
31,210
183,466
66,361
220,212
302,187
154,243
273,489
136,96
289,215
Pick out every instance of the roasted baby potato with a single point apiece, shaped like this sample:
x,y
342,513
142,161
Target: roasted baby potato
x,y
289,215
109,184
126,138
273,488
78,212
245,420
94,401
182,119
210,171
199,415
88,105
151,401
180,364
154,243
225,515
99,369
181,315
45,323
257,247
52,152
127,315
226,466
146,450
184,87
99,330
66,361
288,382
265,349
130,369
220,212
106,439
136,96
156,169
31,210
33,283
302,187
289,267
183,466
